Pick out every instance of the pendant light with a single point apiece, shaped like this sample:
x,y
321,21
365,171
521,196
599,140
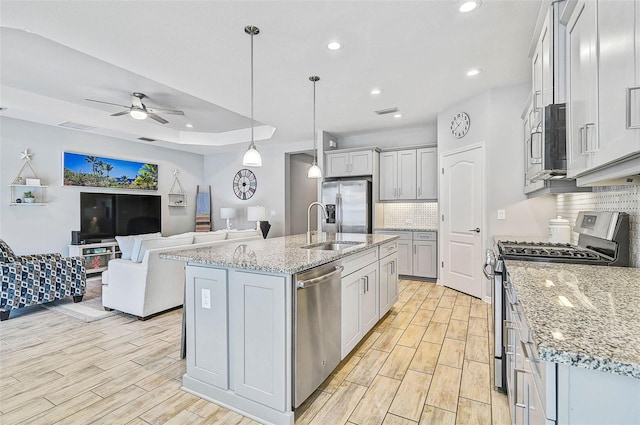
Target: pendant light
x,y
252,157
314,172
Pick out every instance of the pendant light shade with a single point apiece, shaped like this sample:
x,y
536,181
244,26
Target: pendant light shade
x,y
314,172
252,157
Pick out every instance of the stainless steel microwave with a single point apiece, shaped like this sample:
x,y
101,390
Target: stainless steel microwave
x,y
547,149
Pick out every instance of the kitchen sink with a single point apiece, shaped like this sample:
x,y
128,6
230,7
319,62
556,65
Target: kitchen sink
x,y
333,245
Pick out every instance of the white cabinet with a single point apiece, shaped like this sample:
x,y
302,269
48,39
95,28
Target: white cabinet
x,y
582,93
359,311
258,324
96,255
405,256
207,326
425,254
618,81
398,175
388,286
352,163
427,169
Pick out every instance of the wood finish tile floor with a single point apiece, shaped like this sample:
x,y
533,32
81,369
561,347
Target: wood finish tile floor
x,y
426,362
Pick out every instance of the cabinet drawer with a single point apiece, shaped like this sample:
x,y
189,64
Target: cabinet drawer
x,y
388,249
425,236
355,262
402,235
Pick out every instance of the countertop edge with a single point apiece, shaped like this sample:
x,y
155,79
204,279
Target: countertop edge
x,y
586,361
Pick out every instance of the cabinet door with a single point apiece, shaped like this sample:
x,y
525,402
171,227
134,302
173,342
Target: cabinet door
x,y
393,280
257,307
383,285
407,174
388,175
405,257
582,64
425,259
207,337
337,164
532,142
350,312
369,301
536,76
546,50
361,163
427,173
616,75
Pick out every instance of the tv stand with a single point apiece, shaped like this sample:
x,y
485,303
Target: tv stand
x,y
96,255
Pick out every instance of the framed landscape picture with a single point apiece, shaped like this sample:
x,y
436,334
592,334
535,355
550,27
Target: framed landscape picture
x,y
97,171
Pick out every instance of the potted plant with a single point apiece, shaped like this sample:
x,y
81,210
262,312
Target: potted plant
x,y
29,197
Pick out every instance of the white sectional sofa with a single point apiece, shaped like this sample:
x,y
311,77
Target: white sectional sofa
x,y
143,284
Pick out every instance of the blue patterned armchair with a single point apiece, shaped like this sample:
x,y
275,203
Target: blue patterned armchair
x,y
37,279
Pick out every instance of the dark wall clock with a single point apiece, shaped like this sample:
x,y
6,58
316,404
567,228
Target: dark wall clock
x,y
245,184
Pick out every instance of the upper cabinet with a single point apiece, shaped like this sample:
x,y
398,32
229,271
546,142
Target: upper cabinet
x,y
408,174
349,163
603,42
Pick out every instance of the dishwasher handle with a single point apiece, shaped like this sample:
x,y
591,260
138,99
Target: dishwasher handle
x,y
304,284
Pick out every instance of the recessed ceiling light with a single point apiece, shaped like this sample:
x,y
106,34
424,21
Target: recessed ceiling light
x,y
468,6
398,115
189,125
376,91
334,45
473,72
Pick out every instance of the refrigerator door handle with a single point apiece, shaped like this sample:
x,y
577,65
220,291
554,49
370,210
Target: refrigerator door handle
x,y
339,213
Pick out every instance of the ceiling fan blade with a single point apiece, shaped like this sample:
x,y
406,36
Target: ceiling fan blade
x,y
107,103
165,111
157,118
117,114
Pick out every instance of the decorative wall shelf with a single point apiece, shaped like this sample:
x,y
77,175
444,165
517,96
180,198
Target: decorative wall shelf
x,y
177,194
25,182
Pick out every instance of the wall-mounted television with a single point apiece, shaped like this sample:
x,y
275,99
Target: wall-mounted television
x,y
107,215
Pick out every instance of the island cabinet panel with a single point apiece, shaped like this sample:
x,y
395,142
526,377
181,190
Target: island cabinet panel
x,y
351,326
258,329
207,337
388,281
369,304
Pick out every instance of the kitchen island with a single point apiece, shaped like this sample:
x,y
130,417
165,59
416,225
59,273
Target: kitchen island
x,y
240,307
576,342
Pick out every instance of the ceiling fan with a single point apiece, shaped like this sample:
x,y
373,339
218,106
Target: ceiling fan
x,y
139,111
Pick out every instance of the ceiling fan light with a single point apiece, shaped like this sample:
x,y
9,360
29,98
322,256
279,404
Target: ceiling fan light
x,y
252,157
138,114
314,172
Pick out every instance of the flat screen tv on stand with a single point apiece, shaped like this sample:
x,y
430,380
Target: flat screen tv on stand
x,y
103,216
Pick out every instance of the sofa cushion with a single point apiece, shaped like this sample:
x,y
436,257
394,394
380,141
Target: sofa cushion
x,y
209,237
147,244
181,235
236,234
127,243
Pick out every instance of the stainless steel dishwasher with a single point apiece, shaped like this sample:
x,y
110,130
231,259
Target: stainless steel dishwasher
x,y
316,328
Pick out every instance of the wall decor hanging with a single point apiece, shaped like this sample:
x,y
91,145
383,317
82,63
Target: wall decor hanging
x,y
245,184
97,171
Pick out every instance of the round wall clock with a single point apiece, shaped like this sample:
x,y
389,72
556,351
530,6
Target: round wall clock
x,y
245,184
460,124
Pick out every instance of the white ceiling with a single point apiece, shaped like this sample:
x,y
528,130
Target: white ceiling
x,y
195,56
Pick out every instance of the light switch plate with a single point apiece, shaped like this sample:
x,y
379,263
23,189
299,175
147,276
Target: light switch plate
x,y
501,214
206,298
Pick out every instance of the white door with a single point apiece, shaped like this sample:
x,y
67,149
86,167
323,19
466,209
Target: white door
x,y
462,180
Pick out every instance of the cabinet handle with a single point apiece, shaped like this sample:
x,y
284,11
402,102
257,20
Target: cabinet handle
x,y
583,146
419,191
586,137
415,249
393,267
631,126
535,99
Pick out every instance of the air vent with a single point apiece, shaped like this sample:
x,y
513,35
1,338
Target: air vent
x,y
76,126
386,111
146,139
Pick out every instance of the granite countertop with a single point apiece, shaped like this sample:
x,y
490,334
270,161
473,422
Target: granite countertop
x,y
276,255
584,316
408,229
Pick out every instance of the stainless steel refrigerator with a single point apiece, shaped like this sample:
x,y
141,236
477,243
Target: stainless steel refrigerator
x,y
348,203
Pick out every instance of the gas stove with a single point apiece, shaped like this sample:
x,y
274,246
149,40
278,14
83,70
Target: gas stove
x,y
603,240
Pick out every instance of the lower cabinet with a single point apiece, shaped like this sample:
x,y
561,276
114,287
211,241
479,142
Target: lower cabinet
x,y
417,253
405,256
388,287
207,326
359,311
425,259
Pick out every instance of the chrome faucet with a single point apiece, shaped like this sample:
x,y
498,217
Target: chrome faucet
x,y
324,214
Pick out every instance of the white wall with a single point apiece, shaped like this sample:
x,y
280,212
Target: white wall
x,y
302,192
397,138
220,168
495,120
48,228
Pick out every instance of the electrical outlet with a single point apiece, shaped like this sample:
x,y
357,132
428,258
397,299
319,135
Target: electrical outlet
x,y
206,298
501,214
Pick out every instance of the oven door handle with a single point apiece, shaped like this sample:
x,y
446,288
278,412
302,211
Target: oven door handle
x,y
490,261
486,274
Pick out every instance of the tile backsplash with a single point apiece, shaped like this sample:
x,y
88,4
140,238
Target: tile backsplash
x,y
423,215
606,198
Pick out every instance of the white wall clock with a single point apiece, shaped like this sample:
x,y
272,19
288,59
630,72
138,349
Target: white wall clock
x,y
460,124
245,184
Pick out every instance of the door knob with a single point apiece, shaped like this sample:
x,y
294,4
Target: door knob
x,y
477,230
